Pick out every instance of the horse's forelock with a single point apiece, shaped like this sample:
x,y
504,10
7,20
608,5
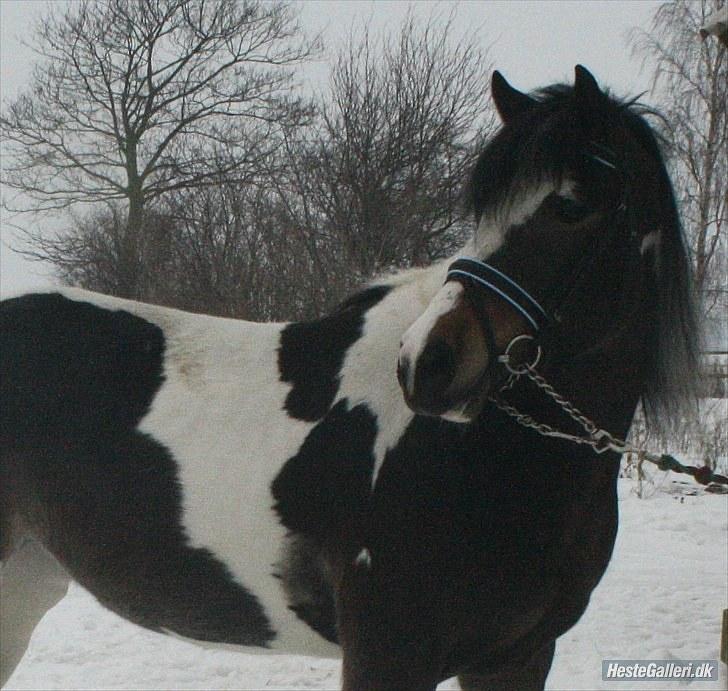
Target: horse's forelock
x,y
529,151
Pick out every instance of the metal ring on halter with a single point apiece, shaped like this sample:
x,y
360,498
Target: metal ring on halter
x,y
505,359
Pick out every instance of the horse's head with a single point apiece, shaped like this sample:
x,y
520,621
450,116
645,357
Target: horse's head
x,y
577,240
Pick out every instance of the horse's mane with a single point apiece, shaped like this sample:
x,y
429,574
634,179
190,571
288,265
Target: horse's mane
x,y
541,146
675,371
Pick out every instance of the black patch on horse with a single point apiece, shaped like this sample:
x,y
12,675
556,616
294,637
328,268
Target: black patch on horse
x,y
305,577
76,367
323,496
323,491
311,354
75,379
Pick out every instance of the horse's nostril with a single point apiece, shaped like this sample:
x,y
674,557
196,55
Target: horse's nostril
x,y
437,360
434,374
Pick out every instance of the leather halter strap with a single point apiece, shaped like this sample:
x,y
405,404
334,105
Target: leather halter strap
x,y
504,287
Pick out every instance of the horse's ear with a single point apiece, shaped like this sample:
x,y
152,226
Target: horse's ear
x,y
586,89
508,101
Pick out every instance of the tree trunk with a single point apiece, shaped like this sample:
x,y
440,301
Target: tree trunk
x,y
131,237
129,260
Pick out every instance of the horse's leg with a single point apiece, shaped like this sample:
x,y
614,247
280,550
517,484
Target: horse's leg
x,y
530,677
388,673
31,582
379,668
383,647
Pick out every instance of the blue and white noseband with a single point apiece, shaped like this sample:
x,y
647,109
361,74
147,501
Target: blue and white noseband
x,y
506,288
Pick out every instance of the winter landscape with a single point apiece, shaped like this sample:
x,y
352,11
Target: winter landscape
x,y
227,250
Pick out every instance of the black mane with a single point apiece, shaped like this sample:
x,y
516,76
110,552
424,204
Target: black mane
x,y
549,141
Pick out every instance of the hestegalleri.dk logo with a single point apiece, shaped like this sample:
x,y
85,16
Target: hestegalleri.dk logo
x,y
665,670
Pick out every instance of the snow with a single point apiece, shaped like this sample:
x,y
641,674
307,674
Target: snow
x,y
661,598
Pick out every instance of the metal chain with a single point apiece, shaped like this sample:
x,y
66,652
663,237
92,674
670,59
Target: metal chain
x,y
597,438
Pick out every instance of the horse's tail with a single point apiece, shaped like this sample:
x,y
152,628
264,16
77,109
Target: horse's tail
x,y
33,580
8,515
21,330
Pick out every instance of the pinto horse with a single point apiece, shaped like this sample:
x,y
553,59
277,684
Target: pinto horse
x,y
348,486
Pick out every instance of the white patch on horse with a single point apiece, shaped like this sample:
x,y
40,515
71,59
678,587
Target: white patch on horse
x,y
457,416
231,435
517,209
364,558
489,235
650,241
218,646
488,238
368,372
415,338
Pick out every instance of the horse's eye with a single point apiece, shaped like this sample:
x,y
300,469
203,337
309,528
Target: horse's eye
x,y
566,209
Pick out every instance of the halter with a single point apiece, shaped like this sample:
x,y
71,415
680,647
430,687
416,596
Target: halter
x,y
515,295
527,306
519,299
595,437
506,288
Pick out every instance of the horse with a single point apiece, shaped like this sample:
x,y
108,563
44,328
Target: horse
x,y
378,484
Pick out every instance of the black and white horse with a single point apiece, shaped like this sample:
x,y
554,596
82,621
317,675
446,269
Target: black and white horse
x,y
346,486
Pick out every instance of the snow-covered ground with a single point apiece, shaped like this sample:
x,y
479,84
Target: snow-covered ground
x,y
661,598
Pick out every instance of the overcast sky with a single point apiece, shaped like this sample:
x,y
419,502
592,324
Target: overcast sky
x,y
532,43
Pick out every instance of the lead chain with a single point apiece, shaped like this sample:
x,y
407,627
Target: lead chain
x,y
599,439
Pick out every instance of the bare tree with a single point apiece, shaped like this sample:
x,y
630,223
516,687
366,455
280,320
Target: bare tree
x,y
90,253
233,254
134,99
397,137
717,25
373,182
224,249
691,81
